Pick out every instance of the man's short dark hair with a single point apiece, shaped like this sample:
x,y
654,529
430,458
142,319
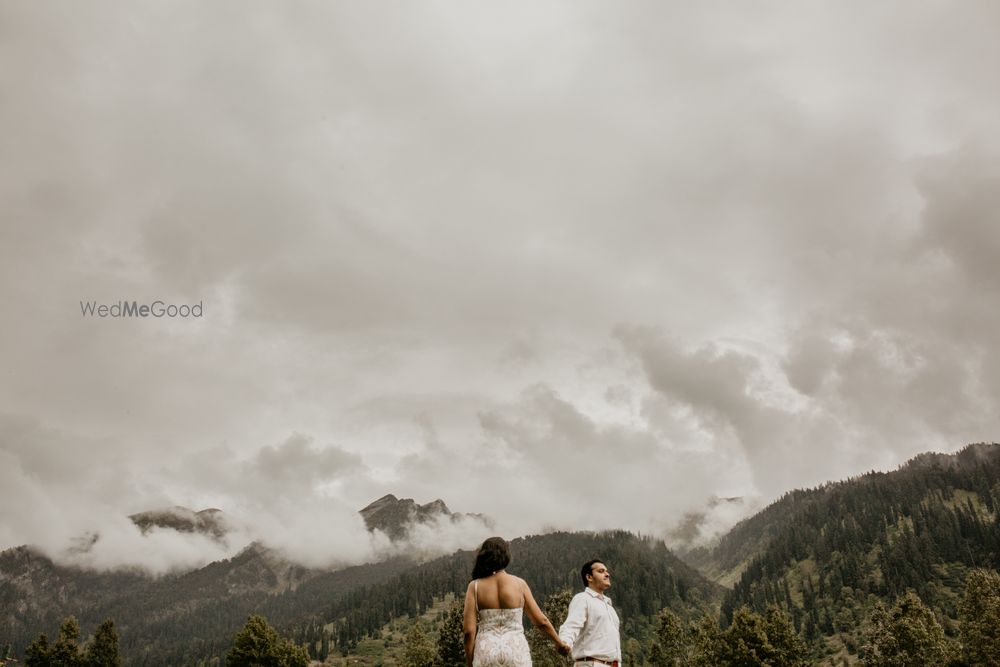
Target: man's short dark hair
x,y
588,569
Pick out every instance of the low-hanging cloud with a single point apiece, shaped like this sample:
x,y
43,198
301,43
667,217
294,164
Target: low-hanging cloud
x,y
277,498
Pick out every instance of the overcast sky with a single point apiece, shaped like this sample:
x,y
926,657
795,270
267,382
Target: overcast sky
x,y
573,265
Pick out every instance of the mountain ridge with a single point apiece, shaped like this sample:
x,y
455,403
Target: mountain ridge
x,y
722,561
826,555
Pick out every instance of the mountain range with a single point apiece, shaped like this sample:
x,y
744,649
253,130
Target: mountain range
x,y
826,555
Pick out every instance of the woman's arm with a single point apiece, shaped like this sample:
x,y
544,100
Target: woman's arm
x,y
469,623
540,620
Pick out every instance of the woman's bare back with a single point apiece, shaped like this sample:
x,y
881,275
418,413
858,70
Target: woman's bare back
x,y
500,591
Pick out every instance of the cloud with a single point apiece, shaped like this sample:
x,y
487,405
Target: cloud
x,y
280,497
275,497
733,251
539,463
118,544
700,526
294,467
727,395
64,517
437,536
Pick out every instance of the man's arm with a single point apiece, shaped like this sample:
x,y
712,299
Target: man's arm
x,y
576,617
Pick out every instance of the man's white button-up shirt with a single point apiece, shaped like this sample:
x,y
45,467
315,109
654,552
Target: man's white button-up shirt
x,y
591,627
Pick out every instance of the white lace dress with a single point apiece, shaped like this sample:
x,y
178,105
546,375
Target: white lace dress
x,y
500,640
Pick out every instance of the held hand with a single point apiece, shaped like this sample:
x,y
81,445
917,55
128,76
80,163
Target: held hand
x,y
564,649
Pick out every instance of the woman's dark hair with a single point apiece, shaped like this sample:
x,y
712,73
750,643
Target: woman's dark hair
x,y
492,556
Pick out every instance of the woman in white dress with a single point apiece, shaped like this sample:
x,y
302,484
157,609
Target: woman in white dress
x,y
494,604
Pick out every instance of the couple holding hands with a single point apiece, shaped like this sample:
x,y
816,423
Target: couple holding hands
x,y
495,602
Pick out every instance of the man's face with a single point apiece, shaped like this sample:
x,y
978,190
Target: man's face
x,y
600,577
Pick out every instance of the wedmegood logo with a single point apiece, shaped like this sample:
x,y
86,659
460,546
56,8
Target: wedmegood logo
x,y
135,309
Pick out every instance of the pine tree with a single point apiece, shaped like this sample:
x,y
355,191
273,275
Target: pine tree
x,y
66,650
751,640
451,639
258,645
707,643
905,636
980,613
38,653
102,651
324,648
543,653
788,649
419,651
672,643
744,643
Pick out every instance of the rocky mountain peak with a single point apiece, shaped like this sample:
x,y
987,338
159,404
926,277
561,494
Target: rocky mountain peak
x,y
209,521
395,516
436,507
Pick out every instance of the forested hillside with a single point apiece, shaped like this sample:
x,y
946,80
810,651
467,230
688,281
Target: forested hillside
x,y
181,620
647,578
174,619
828,554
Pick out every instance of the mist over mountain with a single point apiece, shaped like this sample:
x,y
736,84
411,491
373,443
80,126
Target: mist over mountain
x,y
312,534
34,588
397,517
702,528
209,521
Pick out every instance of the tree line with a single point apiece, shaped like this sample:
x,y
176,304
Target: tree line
x,y
905,634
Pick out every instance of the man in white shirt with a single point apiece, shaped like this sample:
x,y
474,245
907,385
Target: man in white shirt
x,y
591,627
